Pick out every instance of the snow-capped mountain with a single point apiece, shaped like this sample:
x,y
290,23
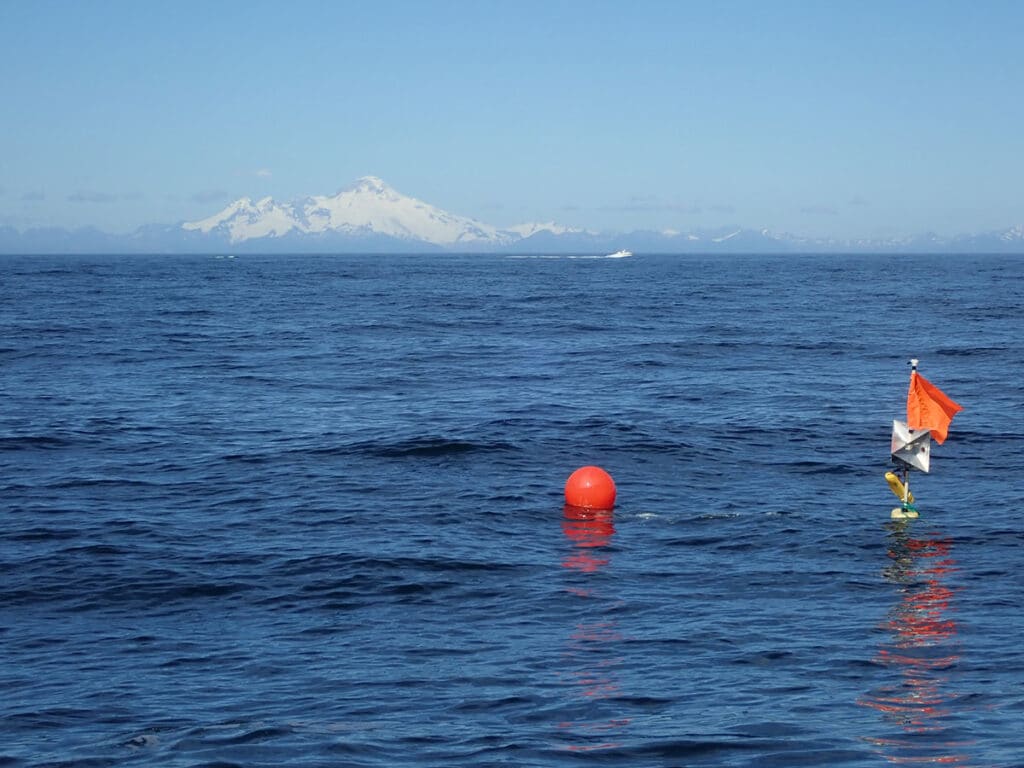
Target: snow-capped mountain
x,y
244,219
368,207
1013,234
370,217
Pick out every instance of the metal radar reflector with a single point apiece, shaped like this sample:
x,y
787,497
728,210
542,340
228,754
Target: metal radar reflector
x,y
911,447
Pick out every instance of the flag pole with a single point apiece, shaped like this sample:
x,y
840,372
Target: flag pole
x,y
906,467
929,411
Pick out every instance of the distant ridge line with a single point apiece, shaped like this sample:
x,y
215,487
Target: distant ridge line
x,y
371,217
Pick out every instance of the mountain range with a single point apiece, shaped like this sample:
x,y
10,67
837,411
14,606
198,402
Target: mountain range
x,y
372,217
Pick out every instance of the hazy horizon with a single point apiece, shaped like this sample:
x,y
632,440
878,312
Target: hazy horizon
x,y
822,121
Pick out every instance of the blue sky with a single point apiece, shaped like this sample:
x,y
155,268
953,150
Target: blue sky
x,y
818,118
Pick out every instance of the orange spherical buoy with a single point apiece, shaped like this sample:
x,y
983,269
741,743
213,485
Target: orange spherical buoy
x,y
590,488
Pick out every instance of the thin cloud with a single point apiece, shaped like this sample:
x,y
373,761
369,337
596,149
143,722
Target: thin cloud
x,y
651,205
859,202
33,197
90,196
209,196
263,173
819,210
18,222
93,196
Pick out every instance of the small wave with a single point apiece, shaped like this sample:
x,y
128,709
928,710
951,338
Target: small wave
x,y
41,533
29,442
187,312
100,482
363,569
430,447
231,734
968,351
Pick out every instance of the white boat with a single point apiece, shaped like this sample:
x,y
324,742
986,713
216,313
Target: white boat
x,y
619,254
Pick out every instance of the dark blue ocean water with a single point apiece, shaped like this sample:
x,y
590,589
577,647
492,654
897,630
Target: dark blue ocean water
x,y
308,511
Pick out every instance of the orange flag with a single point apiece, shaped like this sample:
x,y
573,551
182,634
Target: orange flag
x,y
928,407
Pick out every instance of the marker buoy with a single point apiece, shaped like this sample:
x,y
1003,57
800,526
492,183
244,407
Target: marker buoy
x,y
590,488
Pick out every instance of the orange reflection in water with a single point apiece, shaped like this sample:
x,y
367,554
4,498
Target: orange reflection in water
x,y
922,648
588,663
589,530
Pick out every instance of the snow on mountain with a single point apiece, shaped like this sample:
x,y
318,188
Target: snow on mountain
x,y
244,219
371,205
367,207
370,211
671,233
371,217
528,230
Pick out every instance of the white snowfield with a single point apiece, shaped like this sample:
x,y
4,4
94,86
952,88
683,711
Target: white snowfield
x,y
1013,233
527,230
368,207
